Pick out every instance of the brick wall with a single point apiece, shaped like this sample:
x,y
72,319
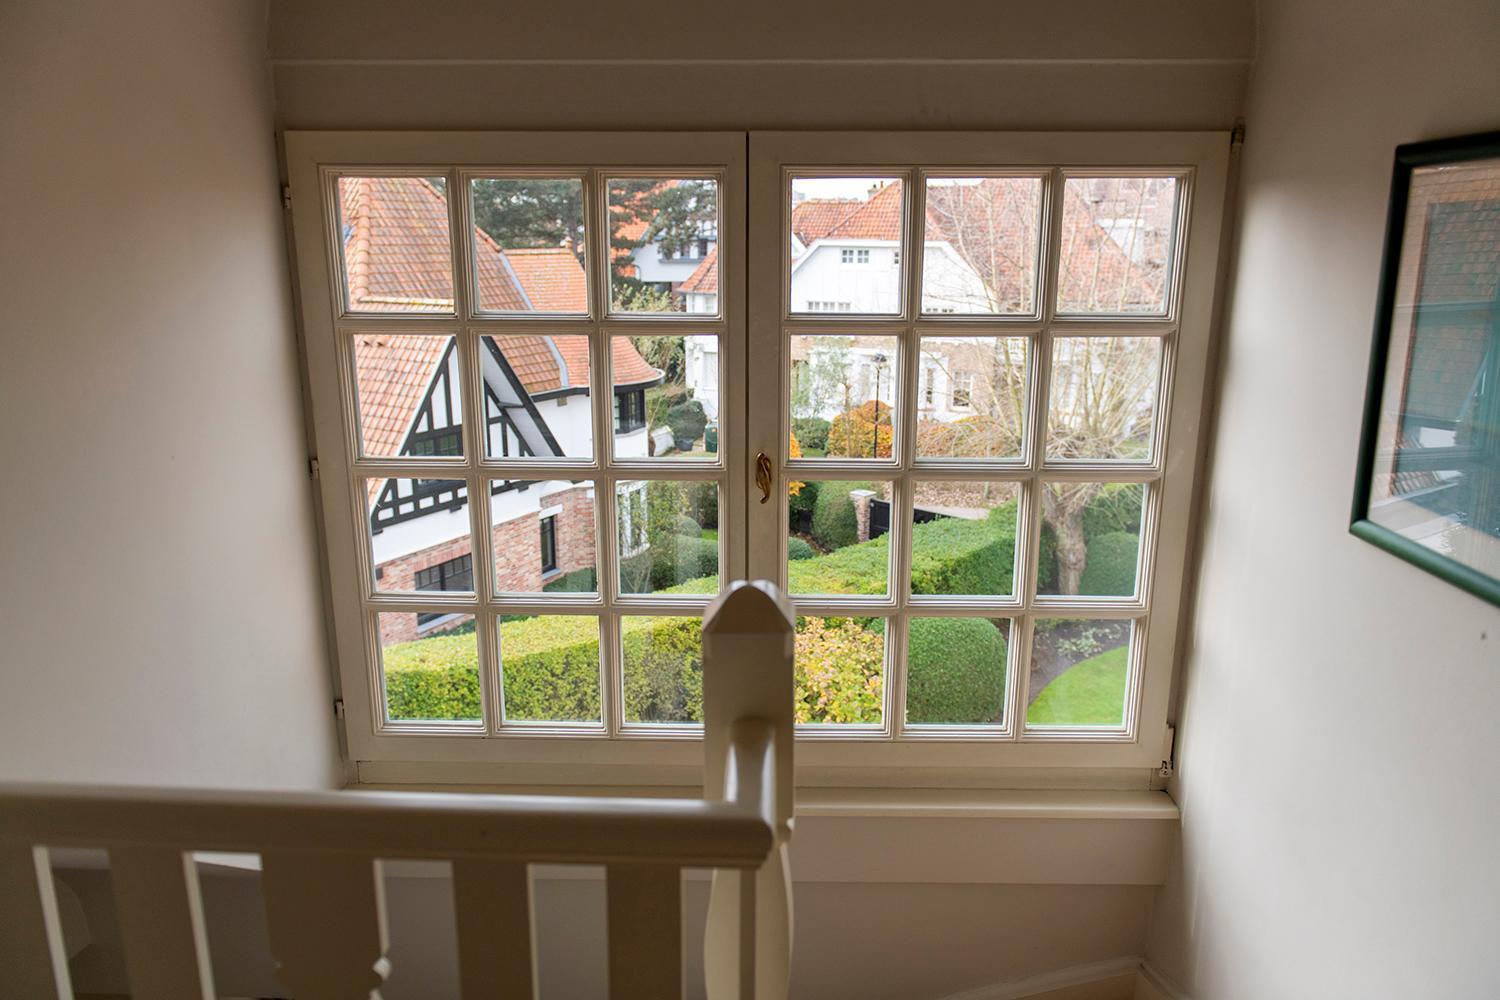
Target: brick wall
x,y
518,556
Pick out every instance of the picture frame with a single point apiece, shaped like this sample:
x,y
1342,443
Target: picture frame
x,y
1427,484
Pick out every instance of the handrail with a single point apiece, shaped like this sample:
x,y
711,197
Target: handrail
x,y
736,832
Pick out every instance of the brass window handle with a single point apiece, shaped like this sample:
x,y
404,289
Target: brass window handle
x,y
763,476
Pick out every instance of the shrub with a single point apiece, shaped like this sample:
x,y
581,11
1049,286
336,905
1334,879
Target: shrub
x,y
955,671
833,523
671,559
812,432
957,556
1116,508
663,670
1110,571
687,421
698,500
862,432
854,569
839,670
797,549
799,506
579,581
684,525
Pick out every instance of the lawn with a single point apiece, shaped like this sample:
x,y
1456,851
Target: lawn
x,y
1090,693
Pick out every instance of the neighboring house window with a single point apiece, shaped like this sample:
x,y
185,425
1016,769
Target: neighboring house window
x,y
631,517
961,390
929,387
828,307
896,259
851,256
630,411
549,544
455,574
443,442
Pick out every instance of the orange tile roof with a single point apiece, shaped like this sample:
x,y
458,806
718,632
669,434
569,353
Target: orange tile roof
x,y
705,278
877,218
552,278
398,256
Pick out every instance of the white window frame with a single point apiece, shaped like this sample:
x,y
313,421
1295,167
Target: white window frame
x,y
540,752
1133,751
751,323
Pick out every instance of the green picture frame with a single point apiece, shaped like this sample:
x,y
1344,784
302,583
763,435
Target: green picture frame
x,y
1427,484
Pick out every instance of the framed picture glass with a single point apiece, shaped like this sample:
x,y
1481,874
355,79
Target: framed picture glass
x,y
1428,482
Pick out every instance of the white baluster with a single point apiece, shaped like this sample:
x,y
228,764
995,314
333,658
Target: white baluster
x,y
496,951
326,915
33,963
160,908
748,642
645,932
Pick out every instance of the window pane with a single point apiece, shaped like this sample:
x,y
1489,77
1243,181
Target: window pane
x,y
431,670
846,245
529,244
963,538
667,536
408,394
663,243
397,251
1117,245
663,668
840,670
983,239
415,526
1091,538
1102,402
536,396
955,671
549,668
666,396
525,517
971,397
840,540
842,395
1078,672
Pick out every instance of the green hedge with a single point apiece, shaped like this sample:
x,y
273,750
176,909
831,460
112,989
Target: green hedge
x,y
834,525
579,581
1110,570
551,670
955,671
956,556
797,549
811,432
1116,508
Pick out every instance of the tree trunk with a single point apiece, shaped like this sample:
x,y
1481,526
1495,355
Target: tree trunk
x,y
1072,550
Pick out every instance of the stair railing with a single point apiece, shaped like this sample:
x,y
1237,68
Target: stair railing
x,y
321,853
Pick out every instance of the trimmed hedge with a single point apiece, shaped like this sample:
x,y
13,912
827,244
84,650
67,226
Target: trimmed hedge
x,y
1116,508
957,556
579,581
1111,566
833,524
955,671
797,549
551,671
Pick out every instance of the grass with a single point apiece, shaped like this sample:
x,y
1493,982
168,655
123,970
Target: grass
x,y
1090,693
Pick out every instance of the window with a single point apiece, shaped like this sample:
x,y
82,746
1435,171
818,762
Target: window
x,y
946,411
455,574
549,544
961,390
630,411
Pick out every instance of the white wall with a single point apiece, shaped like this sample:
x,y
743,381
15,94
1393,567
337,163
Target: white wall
x,y
1339,779
160,614
780,63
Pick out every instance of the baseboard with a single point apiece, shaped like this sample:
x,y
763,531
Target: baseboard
x,y
1113,979
1128,978
1157,985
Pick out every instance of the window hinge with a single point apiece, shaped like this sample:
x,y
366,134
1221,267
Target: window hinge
x,y
313,470
1236,137
338,708
1168,749
286,197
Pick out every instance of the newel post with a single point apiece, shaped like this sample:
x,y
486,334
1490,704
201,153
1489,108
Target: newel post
x,y
748,635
